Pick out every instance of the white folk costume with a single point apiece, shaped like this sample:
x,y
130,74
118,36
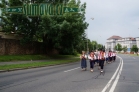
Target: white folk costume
x,y
110,56
96,54
83,61
114,56
101,60
92,59
107,58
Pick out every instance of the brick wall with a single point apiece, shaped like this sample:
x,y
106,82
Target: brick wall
x,y
13,47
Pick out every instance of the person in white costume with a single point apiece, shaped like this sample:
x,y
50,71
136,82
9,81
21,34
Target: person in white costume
x,y
102,57
92,59
83,58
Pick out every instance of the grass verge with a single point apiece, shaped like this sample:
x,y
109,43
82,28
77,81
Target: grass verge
x,y
37,64
134,54
7,58
4,58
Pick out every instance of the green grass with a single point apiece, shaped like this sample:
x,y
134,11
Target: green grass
x,y
4,58
37,64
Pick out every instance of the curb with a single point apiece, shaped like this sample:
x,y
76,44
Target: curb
x,y
9,70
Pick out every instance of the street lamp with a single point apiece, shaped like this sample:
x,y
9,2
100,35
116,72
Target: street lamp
x,y
87,36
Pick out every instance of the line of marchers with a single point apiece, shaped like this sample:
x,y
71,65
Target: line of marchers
x,y
41,9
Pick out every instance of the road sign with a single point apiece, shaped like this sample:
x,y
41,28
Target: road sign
x,y
41,9
13,10
68,9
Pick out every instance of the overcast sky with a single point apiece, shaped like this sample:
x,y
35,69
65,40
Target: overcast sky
x,y
112,17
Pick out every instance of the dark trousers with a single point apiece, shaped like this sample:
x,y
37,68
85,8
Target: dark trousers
x,y
107,59
83,63
101,63
114,57
110,59
97,61
92,63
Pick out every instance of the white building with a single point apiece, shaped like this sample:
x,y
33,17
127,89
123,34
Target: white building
x,y
127,41
137,41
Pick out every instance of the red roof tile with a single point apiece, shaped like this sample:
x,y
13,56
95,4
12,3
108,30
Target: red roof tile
x,y
114,37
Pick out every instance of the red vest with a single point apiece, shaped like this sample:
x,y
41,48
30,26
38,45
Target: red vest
x,y
110,54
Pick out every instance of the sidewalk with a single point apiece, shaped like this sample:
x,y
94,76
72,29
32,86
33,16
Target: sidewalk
x,y
22,62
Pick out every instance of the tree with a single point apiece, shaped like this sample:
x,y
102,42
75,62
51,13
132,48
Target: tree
x,y
82,45
118,47
134,48
94,44
99,46
125,48
103,47
63,33
20,24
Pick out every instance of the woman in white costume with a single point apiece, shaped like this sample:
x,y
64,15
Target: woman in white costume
x,y
83,58
92,59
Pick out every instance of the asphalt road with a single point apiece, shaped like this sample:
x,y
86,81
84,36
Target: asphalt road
x,y
120,76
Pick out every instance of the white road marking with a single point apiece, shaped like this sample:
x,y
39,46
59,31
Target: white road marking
x,y
108,84
117,78
72,69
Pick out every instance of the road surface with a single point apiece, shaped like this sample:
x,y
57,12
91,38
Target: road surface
x,y
120,76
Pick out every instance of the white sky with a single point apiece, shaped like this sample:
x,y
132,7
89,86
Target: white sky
x,y
112,17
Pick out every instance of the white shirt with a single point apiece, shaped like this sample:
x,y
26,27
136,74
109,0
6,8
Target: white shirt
x,y
84,56
96,54
114,54
92,58
100,56
106,54
110,54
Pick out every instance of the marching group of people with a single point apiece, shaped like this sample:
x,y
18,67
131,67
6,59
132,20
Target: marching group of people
x,y
97,58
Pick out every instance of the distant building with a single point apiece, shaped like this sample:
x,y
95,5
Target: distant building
x,y
127,41
137,41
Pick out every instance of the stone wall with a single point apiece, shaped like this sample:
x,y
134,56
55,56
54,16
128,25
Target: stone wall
x,y
13,47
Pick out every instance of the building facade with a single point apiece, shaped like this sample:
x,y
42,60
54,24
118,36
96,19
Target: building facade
x,y
137,41
127,41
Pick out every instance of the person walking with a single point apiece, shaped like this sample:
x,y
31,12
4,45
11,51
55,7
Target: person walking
x,y
102,59
83,58
110,56
92,59
114,56
96,54
107,58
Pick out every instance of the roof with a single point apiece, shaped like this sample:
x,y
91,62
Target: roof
x,y
130,38
114,37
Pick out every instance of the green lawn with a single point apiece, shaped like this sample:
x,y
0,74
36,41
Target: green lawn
x,y
6,58
38,64
134,54
50,60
